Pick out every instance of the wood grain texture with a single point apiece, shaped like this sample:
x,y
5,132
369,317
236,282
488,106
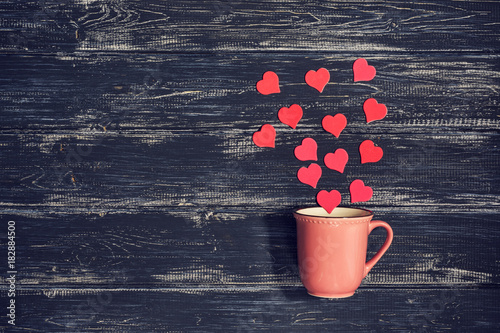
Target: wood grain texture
x,y
220,26
111,142
248,310
157,250
141,203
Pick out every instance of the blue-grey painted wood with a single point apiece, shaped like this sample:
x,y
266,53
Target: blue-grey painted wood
x,y
141,203
109,134
159,250
241,26
271,308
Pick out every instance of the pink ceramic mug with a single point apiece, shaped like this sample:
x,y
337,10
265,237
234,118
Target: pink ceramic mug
x,y
332,249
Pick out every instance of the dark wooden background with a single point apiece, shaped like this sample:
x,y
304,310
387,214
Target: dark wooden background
x,y
141,203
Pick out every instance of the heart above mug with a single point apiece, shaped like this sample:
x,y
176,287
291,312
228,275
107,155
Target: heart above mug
x,y
269,84
318,79
369,152
359,191
290,116
310,175
307,151
374,110
328,200
265,136
362,71
336,161
334,124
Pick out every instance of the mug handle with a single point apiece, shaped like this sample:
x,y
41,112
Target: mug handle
x,y
388,240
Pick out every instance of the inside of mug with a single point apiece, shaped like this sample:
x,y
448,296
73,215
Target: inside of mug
x,y
337,212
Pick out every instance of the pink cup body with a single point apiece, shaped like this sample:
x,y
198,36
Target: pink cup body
x,y
332,249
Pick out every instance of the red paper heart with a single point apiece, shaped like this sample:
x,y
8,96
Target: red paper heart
x,y
359,191
328,200
363,71
336,161
310,175
269,84
318,79
373,110
335,124
265,137
307,151
369,152
290,116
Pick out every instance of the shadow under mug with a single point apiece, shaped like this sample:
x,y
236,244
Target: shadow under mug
x,y
332,249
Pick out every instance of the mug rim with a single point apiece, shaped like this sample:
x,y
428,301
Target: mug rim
x,y
326,215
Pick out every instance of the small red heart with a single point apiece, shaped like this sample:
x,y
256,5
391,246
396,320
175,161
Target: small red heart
x,y
373,110
318,79
265,137
369,152
310,175
328,200
269,83
362,71
307,151
334,125
360,192
290,116
336,161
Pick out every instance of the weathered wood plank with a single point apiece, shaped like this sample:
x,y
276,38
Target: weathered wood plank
x,y
218,26
108,134
275,309
157,250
